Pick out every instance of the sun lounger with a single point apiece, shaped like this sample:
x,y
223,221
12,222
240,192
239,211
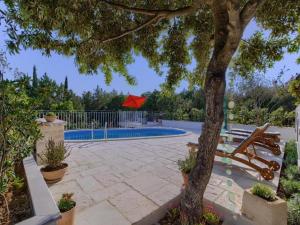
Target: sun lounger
x,y
268,140
245,153
242,132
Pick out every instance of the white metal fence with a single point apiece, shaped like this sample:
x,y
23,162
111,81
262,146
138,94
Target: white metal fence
x,y
99,119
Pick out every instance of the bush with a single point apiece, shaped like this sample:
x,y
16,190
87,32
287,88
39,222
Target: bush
x,y
276,117
197,114
66,202
188,164
50,114
18,131
264,192
294,210
292,172
290,186
54,154
291,155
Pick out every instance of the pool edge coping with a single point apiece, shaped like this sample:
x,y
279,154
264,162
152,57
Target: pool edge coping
x,y
132,138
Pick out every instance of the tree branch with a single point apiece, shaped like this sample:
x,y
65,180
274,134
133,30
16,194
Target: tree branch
x,y
165,13
249,10
137,28
156,14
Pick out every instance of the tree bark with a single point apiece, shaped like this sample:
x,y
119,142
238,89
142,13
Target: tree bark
x,y
228,33
192,200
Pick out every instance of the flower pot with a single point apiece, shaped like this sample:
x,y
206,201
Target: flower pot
x,y
67,218
50,118
261,211
54,175
185,179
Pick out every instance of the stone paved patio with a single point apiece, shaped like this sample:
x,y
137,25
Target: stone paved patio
x,y
134,181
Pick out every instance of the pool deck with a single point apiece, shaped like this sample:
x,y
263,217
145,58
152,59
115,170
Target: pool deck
x,y
134,181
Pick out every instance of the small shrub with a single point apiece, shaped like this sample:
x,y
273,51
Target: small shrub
x,y
188,164
18,182
291,155
66,202
211,218
290,187
294,210
292,172
54,154
50,114
264,192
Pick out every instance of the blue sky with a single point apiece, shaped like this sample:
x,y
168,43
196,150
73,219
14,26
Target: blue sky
x,y
57,67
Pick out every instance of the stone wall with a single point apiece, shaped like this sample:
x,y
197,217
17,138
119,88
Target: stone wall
x,y
54,130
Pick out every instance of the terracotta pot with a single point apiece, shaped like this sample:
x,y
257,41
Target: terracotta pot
x,y
67,218
54,176
185,179
50,118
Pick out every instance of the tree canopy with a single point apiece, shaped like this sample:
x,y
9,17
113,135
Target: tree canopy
x,y
106,34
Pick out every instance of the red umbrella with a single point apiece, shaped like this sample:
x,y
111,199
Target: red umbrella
x,y
134,101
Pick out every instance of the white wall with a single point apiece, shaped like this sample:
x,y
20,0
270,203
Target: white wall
x,y
287,133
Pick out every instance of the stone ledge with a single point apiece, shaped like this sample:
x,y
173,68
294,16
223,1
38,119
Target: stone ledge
x,y
44,207
57,122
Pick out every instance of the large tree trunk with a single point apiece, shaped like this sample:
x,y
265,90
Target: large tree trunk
x,y
192,200
228,32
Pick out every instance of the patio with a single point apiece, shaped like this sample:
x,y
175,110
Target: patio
x,y
134,181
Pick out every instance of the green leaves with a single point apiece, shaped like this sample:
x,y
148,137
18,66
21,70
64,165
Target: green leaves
x,y
18,129
86,30
258,54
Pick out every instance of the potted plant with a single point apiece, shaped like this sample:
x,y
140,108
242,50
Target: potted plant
x,y
50,117
261,205
52,158
185,166
66,207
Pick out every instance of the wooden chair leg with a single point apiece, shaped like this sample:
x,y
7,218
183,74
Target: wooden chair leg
x,y
266,173
273,165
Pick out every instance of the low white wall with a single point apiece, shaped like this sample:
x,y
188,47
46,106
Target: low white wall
x,y
287,133
195,127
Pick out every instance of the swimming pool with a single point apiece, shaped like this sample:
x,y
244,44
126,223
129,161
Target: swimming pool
x,y
121,133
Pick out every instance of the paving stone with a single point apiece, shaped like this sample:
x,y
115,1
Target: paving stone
x,y
107,179
130,180
230,200
83,200
165,194
133,205
213,192
101,214
146,183
89,184
109,192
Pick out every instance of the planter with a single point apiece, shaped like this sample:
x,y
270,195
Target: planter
x,y
53,176
67,218
261,211
50,118
185,179
45,210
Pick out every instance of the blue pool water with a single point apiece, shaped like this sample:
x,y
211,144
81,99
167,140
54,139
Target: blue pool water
x,y
121,133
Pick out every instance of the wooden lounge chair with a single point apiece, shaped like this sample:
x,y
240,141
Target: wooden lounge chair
x,y
268,140
275,136
245,153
